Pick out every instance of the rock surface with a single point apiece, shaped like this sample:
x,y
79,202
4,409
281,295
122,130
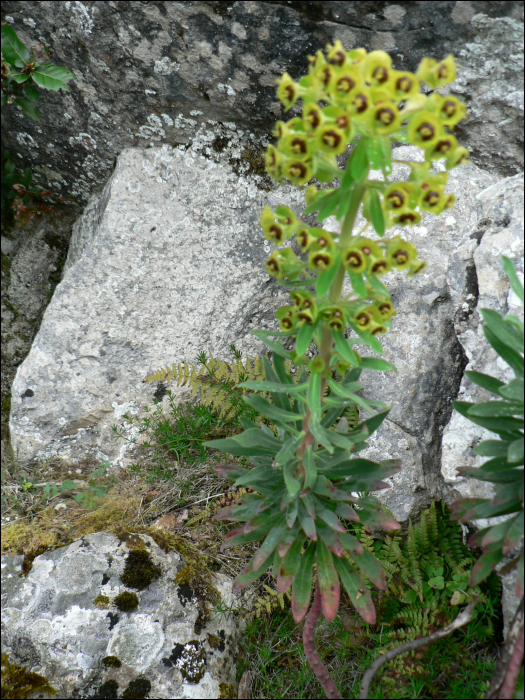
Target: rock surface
x,y
62,621
170,72
168,262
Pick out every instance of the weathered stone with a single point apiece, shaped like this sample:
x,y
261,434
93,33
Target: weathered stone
x,y
32,260
500,232
168,72
62,621
168,262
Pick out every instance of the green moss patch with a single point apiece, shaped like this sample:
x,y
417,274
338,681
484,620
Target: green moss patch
x,y
139,570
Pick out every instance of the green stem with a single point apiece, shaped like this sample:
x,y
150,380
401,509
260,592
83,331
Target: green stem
x,y
325,350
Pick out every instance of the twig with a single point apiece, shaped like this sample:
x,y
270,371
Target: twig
x,y
461,620
311,652
509,664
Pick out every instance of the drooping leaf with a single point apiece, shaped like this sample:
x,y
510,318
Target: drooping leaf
x,y
344,349
304,338
276,348
265,408
357,590
52,77
328,581
302,584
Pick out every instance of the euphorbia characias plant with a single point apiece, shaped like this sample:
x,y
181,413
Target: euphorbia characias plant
x,y
306,478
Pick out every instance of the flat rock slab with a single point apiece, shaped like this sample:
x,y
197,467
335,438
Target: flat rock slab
x,y
61,621
166,263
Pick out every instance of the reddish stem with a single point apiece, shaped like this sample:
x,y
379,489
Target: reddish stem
x,y
513,670
310,649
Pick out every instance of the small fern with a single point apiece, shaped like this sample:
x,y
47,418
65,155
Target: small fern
x,y
427,578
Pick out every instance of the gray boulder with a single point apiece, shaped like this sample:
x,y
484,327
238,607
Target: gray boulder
x,y
171,72
74,621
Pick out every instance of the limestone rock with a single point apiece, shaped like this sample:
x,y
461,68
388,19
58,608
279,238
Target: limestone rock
x,y
500,231
62,620
168,262
170,72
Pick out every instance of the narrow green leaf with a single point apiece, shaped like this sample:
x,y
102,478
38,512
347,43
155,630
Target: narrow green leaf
x,y
492,448
510,271
293,485
486,382
484,567
309,468
505,332
344,349
375,153
496,425
302,585
325,279
358,284
322,436
513,390
19,78
313,396
371,424
372,569
329,205
359,160
377,364
304,338
229,446
515,452
308,525
265,408
276,348
318,201
288,450
328,581
256,437
496,409
367,339
376,213
292,560
274,387
270,543
511,357
357,590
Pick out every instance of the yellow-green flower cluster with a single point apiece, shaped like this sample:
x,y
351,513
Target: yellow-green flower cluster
x,y
362,315
366,98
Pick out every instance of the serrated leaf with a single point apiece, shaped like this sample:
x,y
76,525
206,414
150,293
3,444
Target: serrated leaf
x,y
52,77
357,590
302,585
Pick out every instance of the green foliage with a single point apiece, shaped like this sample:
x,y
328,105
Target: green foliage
x,y
25,495
427,579
17,682
504,417
21,74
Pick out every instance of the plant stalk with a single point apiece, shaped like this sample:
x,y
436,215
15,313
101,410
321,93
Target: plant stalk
x,y
310,649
